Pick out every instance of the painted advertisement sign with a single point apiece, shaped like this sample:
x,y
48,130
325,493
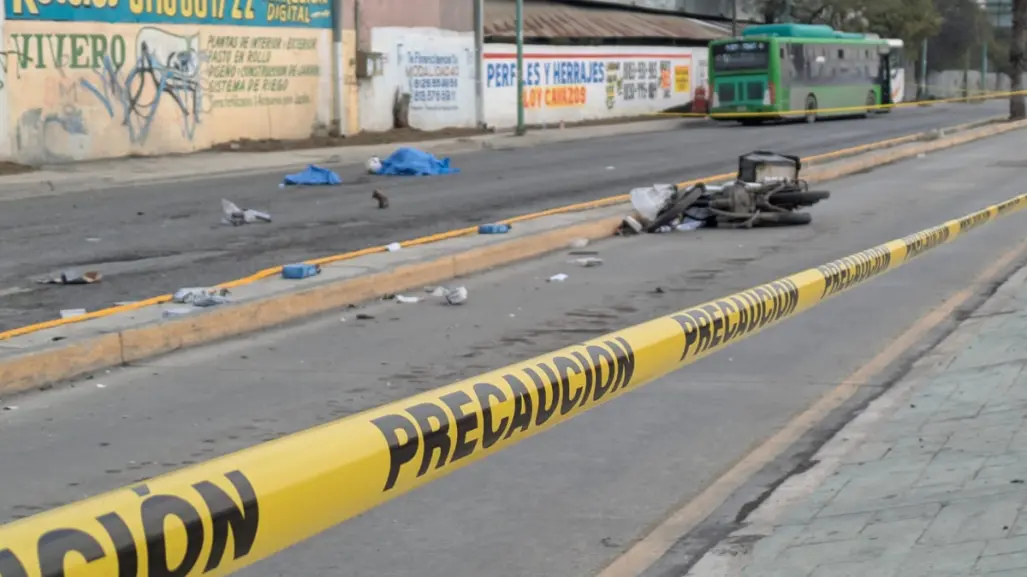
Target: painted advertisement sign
x,y
83,91
434,67
290,13
569,84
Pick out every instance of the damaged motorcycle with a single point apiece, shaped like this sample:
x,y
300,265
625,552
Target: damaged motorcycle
x,y
766,192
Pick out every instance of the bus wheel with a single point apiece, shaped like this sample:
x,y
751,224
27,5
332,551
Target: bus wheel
x,y
871,103
811,109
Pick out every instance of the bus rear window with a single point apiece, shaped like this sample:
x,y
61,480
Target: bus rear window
x,y
740,56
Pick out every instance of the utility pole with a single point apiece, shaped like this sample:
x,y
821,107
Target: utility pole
x,y
479,59
519,19
734,18
788,11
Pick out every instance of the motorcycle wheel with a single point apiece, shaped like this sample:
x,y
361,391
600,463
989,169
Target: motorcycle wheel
x,y
793,199
783,219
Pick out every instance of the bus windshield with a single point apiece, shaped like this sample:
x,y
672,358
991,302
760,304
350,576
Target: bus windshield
x,y
740,56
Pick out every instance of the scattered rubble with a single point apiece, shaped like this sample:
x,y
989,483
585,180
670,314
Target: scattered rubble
x,y
236,216
494,228
406,300
393,247
578,243
73,277
69,313
194,295
176,312
589,261
300,271
558,277
456,296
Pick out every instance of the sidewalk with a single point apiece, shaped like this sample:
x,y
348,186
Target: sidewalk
x,y
928,481
73,177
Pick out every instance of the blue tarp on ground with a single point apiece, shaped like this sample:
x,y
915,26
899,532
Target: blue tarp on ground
x,y
313,176
412,162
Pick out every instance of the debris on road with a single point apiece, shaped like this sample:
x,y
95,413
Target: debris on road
x,y
393,247
456,296
406,161
373,165
300,271
631,226
495,228
578,243
73,277
406,300
767,191
313,175
190,295
10,407
236,216
176,312
69,313
589,261
438,291
211,300
365,317
558,278
383,201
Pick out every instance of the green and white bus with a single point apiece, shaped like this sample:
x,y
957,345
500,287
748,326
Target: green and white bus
x,y
776,71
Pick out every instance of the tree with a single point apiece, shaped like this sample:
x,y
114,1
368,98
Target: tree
x,y
1017,110
910,20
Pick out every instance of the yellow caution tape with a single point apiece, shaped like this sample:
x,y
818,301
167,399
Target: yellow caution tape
x,y
217,517
973,97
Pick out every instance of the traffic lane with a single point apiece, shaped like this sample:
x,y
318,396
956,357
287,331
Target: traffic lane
x,y
188,407
152,240
571,500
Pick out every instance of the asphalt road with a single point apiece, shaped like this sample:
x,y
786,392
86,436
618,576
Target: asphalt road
x,y
151,240
567,502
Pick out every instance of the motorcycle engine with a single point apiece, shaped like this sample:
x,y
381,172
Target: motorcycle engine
x,y
740,199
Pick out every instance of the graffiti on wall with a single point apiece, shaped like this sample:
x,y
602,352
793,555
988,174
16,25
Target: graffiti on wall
x,y
92,90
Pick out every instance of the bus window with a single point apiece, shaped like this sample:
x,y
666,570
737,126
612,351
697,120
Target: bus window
x,y
740,56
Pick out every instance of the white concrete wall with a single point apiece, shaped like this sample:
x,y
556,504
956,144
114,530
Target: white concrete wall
x,y
434,66
578,83
949,83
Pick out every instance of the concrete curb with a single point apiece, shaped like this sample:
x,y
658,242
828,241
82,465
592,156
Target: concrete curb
x,y
40,369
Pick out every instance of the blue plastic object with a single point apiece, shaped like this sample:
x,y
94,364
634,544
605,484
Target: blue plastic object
x,y
494,229
413,162
313,176
301,270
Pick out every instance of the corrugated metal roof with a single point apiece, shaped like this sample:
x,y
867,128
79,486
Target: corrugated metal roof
x,y
549,20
